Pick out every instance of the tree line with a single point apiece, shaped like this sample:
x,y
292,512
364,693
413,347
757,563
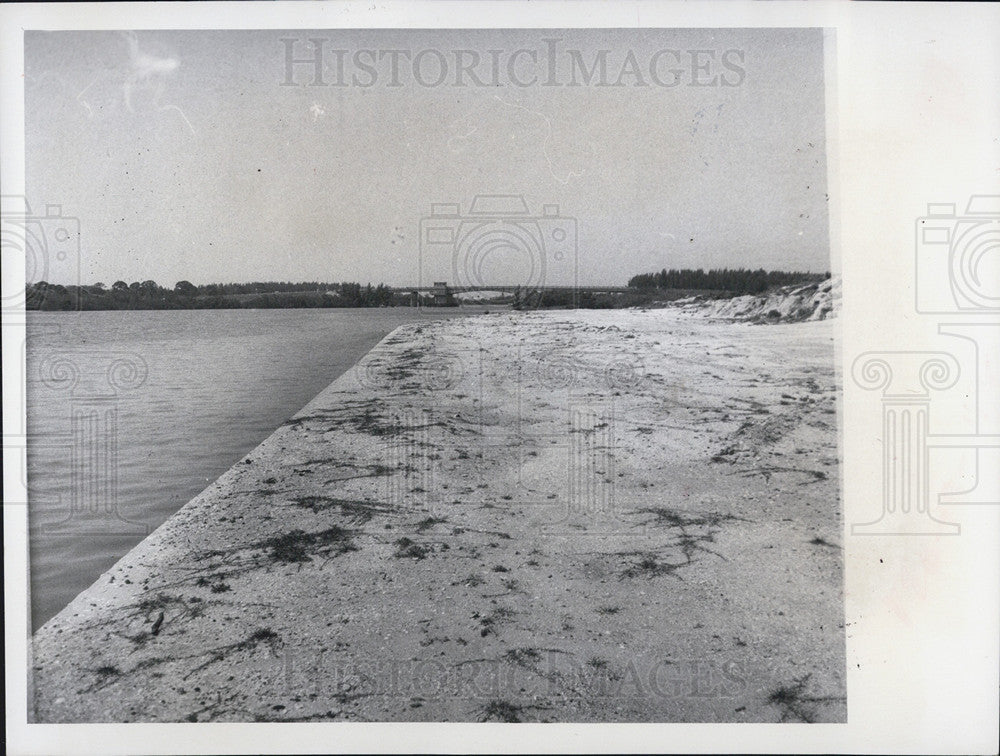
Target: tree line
x,y
148,295
731,280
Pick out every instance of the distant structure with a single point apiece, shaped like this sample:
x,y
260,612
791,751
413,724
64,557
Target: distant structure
x,y
442,295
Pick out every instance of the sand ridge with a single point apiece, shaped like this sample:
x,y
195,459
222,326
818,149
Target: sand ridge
x,y
550,516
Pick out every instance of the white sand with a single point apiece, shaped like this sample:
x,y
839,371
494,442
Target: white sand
x,y
513,516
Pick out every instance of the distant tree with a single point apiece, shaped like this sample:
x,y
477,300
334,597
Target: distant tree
x,y
100,286
147,295
740,281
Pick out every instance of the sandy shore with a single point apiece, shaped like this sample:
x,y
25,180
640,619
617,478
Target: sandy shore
x,y
556,516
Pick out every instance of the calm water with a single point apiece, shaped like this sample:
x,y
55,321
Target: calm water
x,y
131,414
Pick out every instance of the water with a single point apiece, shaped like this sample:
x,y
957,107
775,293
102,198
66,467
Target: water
x,y
131,414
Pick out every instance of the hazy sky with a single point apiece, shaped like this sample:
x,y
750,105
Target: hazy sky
x,y
185,157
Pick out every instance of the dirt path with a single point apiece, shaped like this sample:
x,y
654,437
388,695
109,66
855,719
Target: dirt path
x,y
560,516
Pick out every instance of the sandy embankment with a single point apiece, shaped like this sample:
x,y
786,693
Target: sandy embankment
x,y
558,516
786,304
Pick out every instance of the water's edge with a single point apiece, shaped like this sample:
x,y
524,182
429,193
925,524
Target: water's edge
x,y
208,390
143,544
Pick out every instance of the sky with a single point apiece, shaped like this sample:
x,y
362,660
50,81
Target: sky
x,y
207,156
